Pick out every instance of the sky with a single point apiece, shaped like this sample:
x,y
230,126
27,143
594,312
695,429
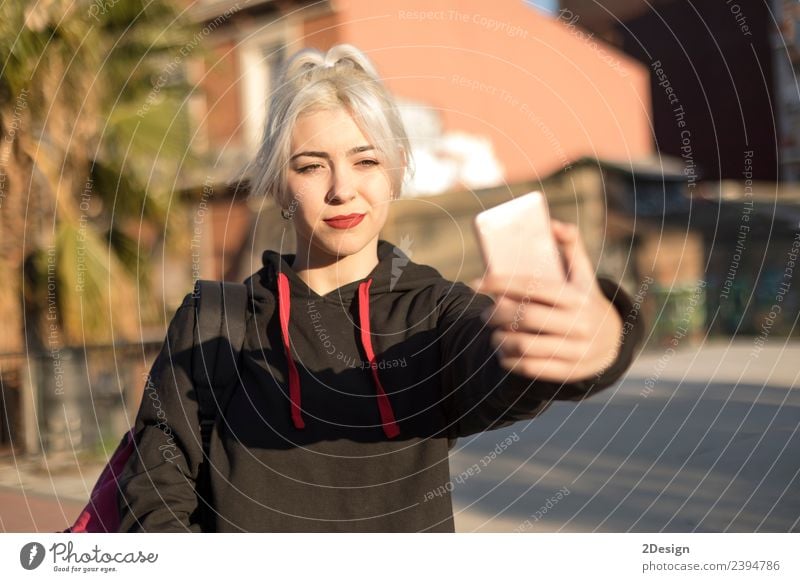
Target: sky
x,y
548,6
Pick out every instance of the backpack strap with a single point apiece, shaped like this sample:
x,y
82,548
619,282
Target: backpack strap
x,y
221,310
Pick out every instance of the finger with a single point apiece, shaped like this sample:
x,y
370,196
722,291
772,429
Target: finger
x,y
534,318
527,290
579,266
521,344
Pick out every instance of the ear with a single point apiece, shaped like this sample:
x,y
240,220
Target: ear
x,y
284,200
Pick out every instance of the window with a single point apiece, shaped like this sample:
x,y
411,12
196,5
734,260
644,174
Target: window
x,y
262,58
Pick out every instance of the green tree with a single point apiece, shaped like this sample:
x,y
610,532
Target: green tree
x,y
93,133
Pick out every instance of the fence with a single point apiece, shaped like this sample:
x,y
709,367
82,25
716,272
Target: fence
x,y
72,400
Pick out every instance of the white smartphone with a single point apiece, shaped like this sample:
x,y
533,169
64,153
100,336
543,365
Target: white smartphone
x,y
517,242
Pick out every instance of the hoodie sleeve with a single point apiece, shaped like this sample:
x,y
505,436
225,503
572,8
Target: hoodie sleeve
x,y
157,491
479,394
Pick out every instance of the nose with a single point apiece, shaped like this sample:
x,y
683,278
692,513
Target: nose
x,y
343,187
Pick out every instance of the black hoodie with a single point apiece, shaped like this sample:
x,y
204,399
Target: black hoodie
x,y
346,409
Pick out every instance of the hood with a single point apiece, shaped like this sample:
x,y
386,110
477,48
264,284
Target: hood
x,y
394,273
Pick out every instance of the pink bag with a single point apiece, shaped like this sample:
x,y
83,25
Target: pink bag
x,y
226,305
101,514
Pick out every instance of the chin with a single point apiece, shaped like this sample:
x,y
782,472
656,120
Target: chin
x,y
341,245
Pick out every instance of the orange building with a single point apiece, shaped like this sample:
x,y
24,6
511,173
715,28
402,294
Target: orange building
x,y
542,90
491,93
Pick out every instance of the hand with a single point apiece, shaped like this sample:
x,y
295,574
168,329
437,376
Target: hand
x,y
559,333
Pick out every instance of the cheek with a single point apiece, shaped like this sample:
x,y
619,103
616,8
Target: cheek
x,y
378,188
302,188
307,197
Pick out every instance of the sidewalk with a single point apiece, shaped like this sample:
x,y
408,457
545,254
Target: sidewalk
x,y
705,438
702,439
43,495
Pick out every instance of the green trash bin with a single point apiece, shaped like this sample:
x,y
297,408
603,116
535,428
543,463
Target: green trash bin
x,y
679,314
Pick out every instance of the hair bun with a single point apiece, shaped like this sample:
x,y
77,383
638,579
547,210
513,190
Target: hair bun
x,y
342,55
347,53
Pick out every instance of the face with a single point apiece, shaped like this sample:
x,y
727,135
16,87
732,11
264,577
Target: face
x,y
338,184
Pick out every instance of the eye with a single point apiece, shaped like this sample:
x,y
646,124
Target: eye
x,y
367,163
308,169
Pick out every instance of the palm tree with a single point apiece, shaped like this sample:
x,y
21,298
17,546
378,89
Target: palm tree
x,y
90,133
93,132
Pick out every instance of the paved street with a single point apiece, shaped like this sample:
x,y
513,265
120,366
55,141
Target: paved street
x,y
713,445
700,440
35,513
43,495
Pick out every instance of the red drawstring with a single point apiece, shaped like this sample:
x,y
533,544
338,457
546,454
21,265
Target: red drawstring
x,y
385,407
294,377
390,427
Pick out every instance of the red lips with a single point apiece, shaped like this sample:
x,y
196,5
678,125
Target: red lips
x,y
344,220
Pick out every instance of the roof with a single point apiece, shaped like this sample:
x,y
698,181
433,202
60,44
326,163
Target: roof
x,y
658,167
209,9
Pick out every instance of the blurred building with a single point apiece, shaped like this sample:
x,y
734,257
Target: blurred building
x,y
786,58
492,94
498,98
726,65
504,96
726,103
650,125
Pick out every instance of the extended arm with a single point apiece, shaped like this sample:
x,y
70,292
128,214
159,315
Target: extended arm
x,y
480,394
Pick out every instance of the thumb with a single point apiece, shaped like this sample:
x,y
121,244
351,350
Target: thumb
x,y
580,270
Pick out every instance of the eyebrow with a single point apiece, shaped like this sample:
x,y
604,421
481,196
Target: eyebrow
x,y
350,152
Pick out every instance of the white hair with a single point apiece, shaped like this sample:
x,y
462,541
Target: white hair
x,y
315,81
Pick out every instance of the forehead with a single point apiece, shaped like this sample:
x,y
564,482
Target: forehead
x,y
329,130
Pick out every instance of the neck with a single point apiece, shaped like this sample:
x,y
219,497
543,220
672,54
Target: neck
x,y
323,273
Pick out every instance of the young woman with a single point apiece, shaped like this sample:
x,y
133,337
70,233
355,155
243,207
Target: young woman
x,y
360,367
